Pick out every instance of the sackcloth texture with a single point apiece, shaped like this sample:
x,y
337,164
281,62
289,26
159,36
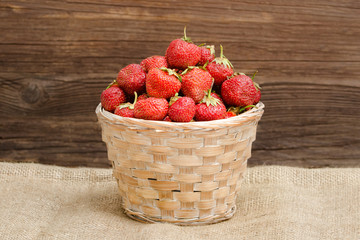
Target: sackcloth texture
x,y
275,202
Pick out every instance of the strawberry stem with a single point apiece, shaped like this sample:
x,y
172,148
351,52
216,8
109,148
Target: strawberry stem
x,y
111,84
129,105
204,67
136,96
253,76
185,38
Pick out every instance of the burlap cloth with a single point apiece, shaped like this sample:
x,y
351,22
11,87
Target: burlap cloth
x,y
48,202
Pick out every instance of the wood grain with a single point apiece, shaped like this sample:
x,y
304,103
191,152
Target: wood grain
x,y
57,56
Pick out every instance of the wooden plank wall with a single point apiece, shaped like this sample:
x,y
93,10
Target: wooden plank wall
x,y
57,56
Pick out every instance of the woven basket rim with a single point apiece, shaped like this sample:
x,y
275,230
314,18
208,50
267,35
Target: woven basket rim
x,y
253,114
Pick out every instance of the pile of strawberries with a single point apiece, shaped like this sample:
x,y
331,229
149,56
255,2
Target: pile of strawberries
x,y
187,84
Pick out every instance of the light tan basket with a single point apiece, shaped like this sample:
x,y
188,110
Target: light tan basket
x,y
181,173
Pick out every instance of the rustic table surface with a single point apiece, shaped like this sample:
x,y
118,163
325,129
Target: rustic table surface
x,y
57,56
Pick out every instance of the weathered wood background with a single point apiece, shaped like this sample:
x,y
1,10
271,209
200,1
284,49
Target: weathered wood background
x,y
57,56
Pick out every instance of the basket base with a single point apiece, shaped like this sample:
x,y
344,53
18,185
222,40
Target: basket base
x,y
182,222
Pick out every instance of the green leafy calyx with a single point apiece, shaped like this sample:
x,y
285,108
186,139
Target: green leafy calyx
x,y
192,67
171,72
222,59
211,48
210,100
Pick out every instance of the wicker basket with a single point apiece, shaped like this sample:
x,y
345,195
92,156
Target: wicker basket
x,y
181,173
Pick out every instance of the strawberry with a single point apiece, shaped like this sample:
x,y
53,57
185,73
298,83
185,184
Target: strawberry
x,y
151,109
258,92
126,109
230,114
207,54
153,62
182,53
238,91
132,79
257,97
196,82
162,83
112,97
142,97
182,110
220,68
209,109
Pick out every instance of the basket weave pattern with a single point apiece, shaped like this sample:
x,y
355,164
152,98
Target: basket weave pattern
x,y
182,173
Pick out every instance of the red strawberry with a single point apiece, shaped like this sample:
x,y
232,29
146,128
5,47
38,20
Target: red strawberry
x,y
195,83
220,68
153,62
258,92
182,53
124,112
238,91
230,114
142,97
112,97
132,79
162,83
182,110
126,109
207,54
209,109
151,109
257,97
